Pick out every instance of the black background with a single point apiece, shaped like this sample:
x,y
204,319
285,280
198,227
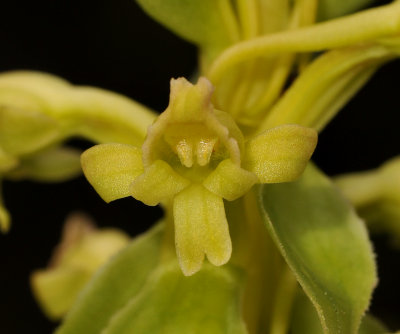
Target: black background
x,y
114,45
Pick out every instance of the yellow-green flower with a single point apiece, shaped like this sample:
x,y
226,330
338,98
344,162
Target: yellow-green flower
x,y
193,157
82,251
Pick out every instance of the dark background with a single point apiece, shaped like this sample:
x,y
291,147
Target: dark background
x,y
114,45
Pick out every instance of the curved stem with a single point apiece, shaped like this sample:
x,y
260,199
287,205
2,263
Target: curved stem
x,y
310,102
357,28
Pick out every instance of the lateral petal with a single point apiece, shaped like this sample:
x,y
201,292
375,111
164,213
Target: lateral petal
x,y
158,182
229,181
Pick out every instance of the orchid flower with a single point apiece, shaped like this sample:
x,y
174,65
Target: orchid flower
x,y
228,160
193,157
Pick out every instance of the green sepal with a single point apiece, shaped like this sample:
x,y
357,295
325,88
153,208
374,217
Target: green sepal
x,y
53,165
113,286
281,153
305,320
111,168
170,303
325,244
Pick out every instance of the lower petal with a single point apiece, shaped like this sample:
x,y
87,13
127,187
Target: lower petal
x,y
200,228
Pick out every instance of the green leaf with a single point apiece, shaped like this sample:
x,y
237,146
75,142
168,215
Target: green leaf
x,y
204,22
326,246
114,285
329,9
208,302
305,320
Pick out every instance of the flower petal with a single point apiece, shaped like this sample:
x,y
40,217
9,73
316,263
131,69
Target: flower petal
x,y
158,182
200,228
111,168
281,153
229,181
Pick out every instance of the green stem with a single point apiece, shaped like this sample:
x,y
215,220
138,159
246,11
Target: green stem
x,y
256,253
284,299
229,20
357,28
248,18
340,73
360,188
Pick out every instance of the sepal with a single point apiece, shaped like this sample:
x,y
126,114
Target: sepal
x,y
280,154
111,168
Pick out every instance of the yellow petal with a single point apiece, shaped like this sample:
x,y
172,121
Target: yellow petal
x,y
158,182
200,228
111,168
280,154
229,181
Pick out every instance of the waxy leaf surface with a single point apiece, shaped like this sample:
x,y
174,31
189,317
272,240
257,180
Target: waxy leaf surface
x,y
170,303
305,320
325,244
